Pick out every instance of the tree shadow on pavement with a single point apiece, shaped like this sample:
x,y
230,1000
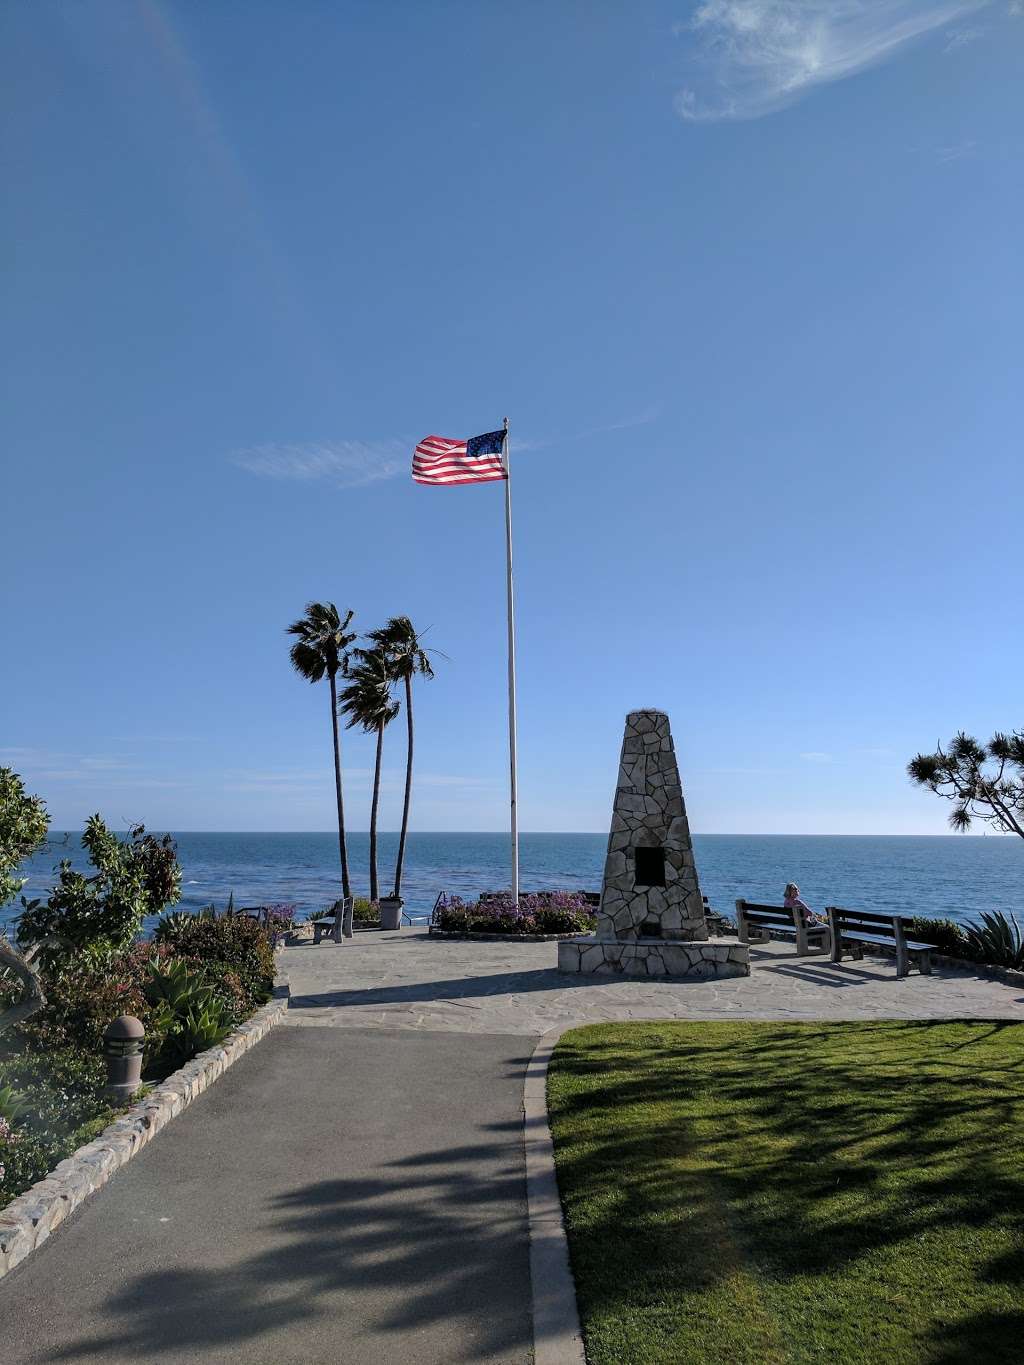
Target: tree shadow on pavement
x,y
354,1270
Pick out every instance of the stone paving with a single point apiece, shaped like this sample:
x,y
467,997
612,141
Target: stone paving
x,y
408,980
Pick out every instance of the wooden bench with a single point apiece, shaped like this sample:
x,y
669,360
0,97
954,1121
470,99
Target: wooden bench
x,y
859,929
761,923
325,922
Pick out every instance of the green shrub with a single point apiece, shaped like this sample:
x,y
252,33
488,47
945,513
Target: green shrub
x,y
946,934
365,911
23,826
82,998
134,877
64,1108
235,954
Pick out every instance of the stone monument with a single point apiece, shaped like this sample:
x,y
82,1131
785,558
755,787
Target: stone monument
x,y
651,918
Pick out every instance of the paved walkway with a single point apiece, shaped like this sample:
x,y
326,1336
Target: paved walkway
x,y
351,1199
352,1190
408,980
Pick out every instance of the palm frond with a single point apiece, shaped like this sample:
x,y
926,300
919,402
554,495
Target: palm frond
x,y
322,640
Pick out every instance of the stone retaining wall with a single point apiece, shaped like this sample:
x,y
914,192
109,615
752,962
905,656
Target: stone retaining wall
x,y
27,1221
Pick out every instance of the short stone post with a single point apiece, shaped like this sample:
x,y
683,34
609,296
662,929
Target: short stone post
x,y
122,1050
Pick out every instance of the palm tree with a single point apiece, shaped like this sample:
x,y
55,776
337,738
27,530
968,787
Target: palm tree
x,y
319,651
368,702
406,657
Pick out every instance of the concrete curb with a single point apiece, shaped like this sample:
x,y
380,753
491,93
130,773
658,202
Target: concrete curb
x,y
557,1338
27,1221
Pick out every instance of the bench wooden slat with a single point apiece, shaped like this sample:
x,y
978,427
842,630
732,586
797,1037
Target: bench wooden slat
x,y
863,926
909,943
767,920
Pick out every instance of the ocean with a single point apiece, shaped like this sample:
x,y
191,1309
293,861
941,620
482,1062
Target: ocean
x,y
952,876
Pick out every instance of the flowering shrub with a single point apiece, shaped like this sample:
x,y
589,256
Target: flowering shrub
x,y
557,912
8,1137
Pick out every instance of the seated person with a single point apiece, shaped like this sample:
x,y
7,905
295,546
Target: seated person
x,y
791,900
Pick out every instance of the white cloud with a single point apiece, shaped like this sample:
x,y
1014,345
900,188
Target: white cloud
x,y
750,57
815,757
346,464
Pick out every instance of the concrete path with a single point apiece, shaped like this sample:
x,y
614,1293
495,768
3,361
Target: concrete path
x,y
408,980
354,1198
352,1190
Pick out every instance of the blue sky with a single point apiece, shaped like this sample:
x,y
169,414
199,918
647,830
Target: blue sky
x,y
745,276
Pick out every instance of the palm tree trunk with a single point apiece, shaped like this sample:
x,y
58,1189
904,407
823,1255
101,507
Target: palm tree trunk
x,y
408,787
374,889
346,886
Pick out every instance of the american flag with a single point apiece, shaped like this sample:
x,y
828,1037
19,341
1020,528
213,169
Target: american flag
x,y
478,460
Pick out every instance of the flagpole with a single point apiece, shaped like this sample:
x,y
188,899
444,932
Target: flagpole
x,y
511,671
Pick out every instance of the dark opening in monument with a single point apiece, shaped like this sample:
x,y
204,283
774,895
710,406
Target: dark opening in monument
x,y
650,867
651,928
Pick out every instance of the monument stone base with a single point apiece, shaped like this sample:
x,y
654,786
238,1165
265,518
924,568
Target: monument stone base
x,y
712,959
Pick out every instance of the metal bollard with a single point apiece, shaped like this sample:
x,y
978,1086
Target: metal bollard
x,y
122,1049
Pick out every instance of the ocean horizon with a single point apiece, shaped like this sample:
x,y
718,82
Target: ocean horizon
x,y
952,876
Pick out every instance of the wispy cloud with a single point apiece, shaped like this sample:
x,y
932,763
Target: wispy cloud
x,y
354,464
293,781
345,464
750,57
816,757
960,37
955,150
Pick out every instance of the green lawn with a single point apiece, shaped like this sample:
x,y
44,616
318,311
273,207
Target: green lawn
x,y
749,1193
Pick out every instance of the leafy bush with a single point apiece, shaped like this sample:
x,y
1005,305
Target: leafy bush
x,y
365,911
996,940
84,996
946,934
23,826
65,1107
235,954
134,877
560,912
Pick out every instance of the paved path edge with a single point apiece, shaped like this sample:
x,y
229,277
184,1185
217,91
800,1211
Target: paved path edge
x,y
557,1338
28,1220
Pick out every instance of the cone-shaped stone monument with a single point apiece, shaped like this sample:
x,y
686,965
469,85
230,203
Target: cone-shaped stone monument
x,y
651,918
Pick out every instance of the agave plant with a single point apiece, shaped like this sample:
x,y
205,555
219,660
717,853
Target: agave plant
x,y
997,939
186,1011
12,1103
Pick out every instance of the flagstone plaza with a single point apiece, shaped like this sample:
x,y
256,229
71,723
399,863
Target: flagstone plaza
x,y
409,980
